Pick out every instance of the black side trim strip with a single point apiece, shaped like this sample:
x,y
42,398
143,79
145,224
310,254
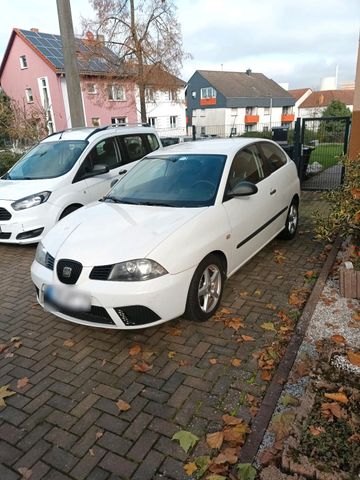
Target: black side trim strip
x,y
261,228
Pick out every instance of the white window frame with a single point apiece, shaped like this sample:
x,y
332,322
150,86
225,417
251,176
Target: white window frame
x,y
93,90
266,110
250,111
119,121
113,93
29,95
152,121
287,110
173,121
150,95
208,92
44,83
23,62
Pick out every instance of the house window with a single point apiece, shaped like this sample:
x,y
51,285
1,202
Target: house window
x,y
249,128
149,95
233,112
95,122
250,111
118,121
202,112
265,129
172,95
193,94
202,131
116,93
267,111
46,103
29,95
23,62
91,88
173,121
233,131
152,121
208,92
286,110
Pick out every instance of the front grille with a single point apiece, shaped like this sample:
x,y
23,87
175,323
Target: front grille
x,y
49,261
96,315
4,214
101,272
68,271
136,315
5,236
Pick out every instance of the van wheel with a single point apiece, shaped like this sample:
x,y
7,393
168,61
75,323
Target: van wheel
x,y
68,210
206,289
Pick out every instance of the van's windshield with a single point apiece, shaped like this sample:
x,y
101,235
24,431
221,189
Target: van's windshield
x,y
47,160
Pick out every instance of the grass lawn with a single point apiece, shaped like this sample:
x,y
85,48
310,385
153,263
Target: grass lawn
x,y
327,154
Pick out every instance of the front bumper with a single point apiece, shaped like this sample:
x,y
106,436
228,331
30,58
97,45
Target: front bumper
x,y
40,218
120,305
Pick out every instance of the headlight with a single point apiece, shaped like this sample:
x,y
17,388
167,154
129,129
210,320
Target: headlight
x,y
136,270
40,255
31,201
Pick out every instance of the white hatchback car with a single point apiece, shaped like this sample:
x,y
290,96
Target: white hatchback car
x,y
64,172
165,238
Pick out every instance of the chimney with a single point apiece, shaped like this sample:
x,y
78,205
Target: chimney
x,y
34,29
248,71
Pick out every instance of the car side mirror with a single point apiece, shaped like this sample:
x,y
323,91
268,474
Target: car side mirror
x,y
243,189
98,169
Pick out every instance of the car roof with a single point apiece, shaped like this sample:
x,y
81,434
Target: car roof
x,y
222,146
96,132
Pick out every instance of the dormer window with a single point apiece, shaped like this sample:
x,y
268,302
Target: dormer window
x,y
208,92
23,62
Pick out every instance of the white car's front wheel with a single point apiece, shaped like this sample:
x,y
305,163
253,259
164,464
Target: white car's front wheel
x,y
206,289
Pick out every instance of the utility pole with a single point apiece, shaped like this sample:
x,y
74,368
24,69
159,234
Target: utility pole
x,y
70,64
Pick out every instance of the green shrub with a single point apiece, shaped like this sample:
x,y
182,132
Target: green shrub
x,y
263,134
7,160
344,207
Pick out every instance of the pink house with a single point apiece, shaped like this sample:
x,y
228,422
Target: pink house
x,y
32,73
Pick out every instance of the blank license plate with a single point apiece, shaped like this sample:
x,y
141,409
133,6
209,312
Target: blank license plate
x,y
67,298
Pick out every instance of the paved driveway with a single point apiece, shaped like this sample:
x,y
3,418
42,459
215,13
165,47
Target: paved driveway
x,y
64,423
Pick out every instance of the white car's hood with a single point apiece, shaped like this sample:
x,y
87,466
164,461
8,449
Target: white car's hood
x,y
11,190
106,233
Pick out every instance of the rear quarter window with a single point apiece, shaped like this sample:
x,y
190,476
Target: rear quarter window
x,y
153,142
273,156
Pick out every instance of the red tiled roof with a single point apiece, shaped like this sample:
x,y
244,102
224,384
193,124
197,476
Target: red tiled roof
x,y
324,98
298,93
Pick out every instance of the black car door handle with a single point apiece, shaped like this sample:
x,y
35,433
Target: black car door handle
x,y
122,172
273,191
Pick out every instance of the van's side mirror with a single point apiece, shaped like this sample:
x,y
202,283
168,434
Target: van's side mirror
x,y
243,189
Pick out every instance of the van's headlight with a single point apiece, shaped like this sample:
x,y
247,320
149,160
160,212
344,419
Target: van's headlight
x,y
40,255
31,201
136,270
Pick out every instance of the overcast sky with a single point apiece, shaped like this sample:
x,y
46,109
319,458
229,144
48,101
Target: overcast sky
x,y
294,42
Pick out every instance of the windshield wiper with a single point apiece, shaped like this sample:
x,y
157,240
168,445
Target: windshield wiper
x,y
156,204
117,200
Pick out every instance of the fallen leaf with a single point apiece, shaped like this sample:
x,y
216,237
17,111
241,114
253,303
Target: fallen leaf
x,y
225,311
245,471
236,433
215,440
214,476
309,273
257,293
5,392
236,362
213,361
103,362
91,452
69,343
230,455
142,367
356,317
17,344
175,332
354,358
190,468
202,462
355,438
184,362
122,406
230,420
247,338
281,424
25,473
22,382
14,339
134,350
337,397
235,323
316,431
268,326
270,306
171,354
332,409
99,435
339,339
266,375
3,347
355,192
146,356
244,294
186,439
8,355
289,400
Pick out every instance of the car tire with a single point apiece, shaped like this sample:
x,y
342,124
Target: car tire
x,y
69,210
209,279
292,221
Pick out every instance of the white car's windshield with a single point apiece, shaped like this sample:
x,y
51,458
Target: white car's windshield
x,y
171,180
47,160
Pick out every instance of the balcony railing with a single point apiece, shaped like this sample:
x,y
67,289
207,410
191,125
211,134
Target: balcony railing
x,y
251,119
287,117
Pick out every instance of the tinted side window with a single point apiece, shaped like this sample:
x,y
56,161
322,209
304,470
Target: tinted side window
x,y
135,147
247,165
153,142
273,156
104,153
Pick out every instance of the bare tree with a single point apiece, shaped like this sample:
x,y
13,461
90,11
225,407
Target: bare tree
x,y
145,37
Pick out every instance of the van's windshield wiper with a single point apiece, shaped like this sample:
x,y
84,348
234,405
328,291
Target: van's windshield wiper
x,y
117,200
156,204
